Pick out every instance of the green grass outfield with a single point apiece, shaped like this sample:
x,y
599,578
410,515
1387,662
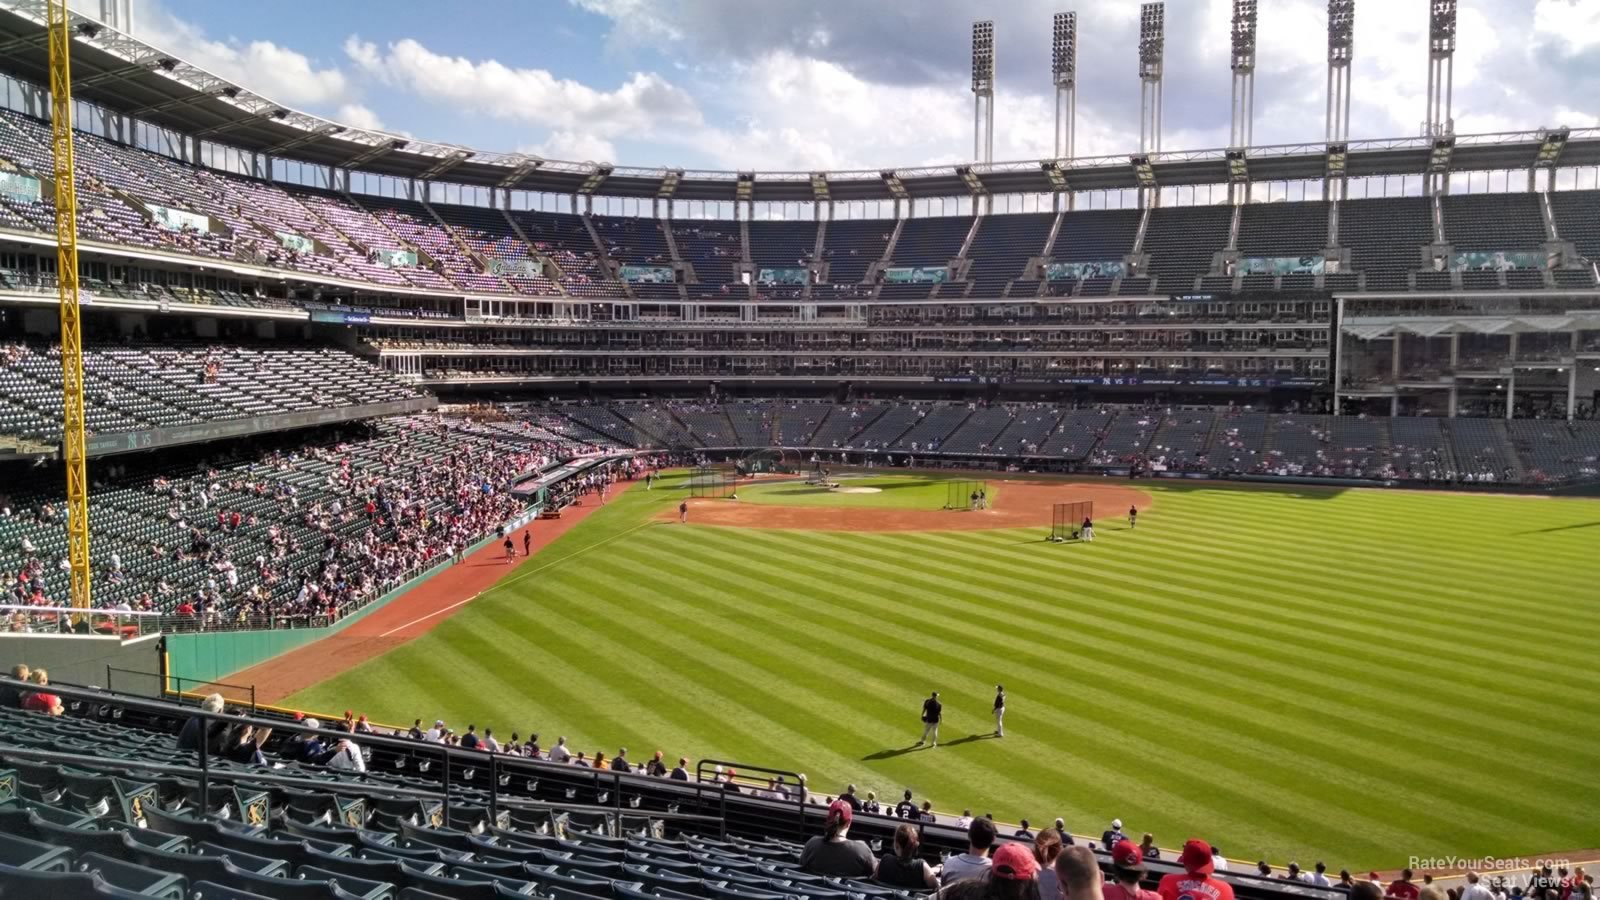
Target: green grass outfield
x,y
1357,676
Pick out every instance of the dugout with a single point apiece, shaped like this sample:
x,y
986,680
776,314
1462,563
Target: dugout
x,y
1066,519
769,461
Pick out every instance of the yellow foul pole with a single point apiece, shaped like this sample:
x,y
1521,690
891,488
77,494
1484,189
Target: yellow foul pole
x,y
72,441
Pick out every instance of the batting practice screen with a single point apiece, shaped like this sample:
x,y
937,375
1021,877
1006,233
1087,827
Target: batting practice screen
x,y
1066,519
711,483
959,494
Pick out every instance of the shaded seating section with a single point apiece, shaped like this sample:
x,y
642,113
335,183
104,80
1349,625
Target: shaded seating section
x,y
1030,426
1181,242
798,422
1386,238
936,424
487,233
331,835
657,421
1553,451
1283,229
752,423
1183,438
780,244
637,241
369,235
1479,450
976,433
850,247
133,388
414,225
709,424
887,428
931,241
1075,434
713,248
1000,252
565,239
1493,222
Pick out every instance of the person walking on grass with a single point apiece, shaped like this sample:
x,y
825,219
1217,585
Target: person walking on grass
x,y
1133,517
1088,529
683,512
999,710
932,712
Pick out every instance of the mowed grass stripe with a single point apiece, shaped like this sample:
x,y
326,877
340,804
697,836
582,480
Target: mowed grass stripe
x,y
1424,764
817,659
1436,803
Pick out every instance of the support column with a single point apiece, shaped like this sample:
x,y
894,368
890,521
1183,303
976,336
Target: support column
x,y
1455,397
1394,402
1455,350
1572,389
1511,392
1394,358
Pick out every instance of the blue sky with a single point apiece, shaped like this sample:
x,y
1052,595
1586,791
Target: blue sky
x,y
805,84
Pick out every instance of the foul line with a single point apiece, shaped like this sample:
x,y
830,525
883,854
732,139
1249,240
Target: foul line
x,y
518,577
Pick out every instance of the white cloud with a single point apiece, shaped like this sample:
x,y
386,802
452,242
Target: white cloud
x,y
1573,23
575,146
645,104
358,116
264,67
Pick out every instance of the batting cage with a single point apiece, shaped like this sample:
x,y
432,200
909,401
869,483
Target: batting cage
x,y
711,483
1066,520
966,494
770,461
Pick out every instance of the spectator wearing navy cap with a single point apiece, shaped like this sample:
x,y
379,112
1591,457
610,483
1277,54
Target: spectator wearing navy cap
x,y
1127,870
833,853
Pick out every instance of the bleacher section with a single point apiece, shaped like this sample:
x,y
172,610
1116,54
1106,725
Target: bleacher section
x,y
1001,249
1385,238
154,387
1493,222
565,240
1283,229
1181,242
487,233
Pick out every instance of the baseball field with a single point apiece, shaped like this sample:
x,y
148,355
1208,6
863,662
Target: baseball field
x,y
1358,676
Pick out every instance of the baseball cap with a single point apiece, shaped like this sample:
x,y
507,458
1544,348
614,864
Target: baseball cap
x,y
1014,862
839,811
1126,855
1196,858
1116,823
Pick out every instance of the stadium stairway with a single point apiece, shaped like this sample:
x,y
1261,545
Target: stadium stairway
x,y
1508,449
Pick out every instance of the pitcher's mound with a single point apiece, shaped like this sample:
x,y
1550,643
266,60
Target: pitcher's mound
x,y
857,490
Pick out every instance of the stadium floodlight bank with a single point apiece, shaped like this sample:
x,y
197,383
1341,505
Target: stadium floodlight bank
x,y
1066,520
967,495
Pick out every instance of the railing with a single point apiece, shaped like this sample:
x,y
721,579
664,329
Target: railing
x,y
500,767
174,686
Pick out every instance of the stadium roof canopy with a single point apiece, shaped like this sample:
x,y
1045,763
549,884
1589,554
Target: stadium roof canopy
x,y
131,78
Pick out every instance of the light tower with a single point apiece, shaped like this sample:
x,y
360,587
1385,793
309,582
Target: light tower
x,y
1441,67
118,14
1064,66
1244,72
983,91
1152,45
1341,50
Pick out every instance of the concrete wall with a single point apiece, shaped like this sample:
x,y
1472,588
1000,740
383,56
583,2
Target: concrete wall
x,y
82,659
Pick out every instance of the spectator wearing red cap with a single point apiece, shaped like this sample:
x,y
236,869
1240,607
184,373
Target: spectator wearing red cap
x,y
1127,870
903,868
833,853
975,862
1196,881
1012,875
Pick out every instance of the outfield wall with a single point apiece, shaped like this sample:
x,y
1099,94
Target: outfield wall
x,y
81,658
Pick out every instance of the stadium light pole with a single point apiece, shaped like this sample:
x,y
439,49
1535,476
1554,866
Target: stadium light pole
x,y
1341,50
1064,69
1152,46
1244,73
118,14
1441,67
983,91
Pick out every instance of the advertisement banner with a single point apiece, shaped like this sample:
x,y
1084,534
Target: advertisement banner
x,y
783,276
296,242
916,275
395,259
520,268
1497,260
178,219
19,188
1282,265
1078,271
647,274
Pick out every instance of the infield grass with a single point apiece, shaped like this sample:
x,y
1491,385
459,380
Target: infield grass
x,y
1356,676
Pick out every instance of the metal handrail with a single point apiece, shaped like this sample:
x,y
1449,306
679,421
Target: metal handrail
x,y
497,764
